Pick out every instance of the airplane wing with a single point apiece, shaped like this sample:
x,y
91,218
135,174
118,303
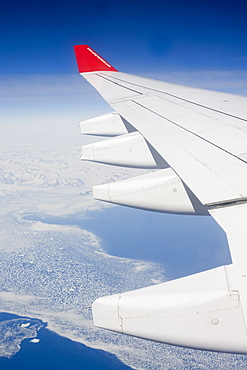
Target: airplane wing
x,y
197,142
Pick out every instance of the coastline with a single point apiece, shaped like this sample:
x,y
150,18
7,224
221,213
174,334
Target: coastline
x,y
51,350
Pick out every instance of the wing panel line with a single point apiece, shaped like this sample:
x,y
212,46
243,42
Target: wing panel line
x,y
125,87
189,131
169,94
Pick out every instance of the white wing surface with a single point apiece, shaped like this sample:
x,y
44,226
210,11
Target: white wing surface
x,y
197,142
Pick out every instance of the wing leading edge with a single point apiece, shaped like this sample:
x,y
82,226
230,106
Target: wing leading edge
x,y
197,141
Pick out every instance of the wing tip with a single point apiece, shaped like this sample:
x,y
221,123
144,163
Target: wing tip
x,y
89,61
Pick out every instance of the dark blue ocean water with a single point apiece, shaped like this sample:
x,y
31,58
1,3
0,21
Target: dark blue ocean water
x,y
183,244
54,352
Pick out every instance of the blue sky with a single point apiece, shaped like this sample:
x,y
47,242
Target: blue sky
x,y
196,43
37,37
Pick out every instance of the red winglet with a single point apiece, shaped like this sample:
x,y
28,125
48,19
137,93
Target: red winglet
x,y
89,61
